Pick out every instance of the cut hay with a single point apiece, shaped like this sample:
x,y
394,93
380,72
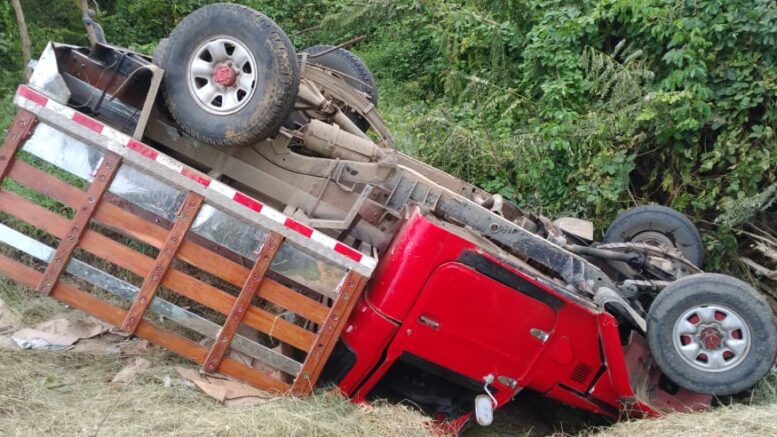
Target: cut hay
x,y
47,393
735,420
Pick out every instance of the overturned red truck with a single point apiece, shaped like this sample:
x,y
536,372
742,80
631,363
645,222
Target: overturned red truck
x,y
277,222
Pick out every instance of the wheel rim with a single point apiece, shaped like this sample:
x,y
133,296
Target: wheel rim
x,y
712,338
222,75
653,238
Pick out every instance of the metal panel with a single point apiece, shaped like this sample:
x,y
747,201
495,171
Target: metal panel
x,y
156,197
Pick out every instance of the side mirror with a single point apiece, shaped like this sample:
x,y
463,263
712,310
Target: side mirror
x,y
484,410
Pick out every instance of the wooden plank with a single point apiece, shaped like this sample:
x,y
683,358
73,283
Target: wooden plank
x,y
186,215
328,333
114,217
114,316
227,332
21,129
124,257
102,179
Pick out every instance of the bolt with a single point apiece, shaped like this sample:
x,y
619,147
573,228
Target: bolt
x,y
224,339
494,227
3,158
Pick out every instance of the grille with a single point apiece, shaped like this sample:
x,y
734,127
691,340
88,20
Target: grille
x,y
581,373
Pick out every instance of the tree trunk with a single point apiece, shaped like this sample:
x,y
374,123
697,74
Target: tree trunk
x,y
24,36
84,4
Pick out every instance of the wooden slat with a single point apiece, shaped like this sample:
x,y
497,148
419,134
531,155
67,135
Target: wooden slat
x,y
328,333
21,129
102,179
114,316
112,216
139,264
227,332
189,209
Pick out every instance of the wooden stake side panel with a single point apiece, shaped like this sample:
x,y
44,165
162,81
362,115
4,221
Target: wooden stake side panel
x,y
159,272
105,173
162,262
350,291
247,293
21,129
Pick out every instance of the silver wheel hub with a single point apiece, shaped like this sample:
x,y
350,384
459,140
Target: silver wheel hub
x,y
653,238
712,338
221,75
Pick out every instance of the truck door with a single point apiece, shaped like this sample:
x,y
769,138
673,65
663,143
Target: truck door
x,y
476,317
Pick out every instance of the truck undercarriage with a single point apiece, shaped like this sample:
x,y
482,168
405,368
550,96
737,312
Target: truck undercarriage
x,y
330,257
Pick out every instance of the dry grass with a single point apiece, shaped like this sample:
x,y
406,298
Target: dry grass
x,y
735,420
44,393
63,393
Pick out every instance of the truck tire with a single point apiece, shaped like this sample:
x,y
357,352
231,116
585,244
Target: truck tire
x,y
231,75
355,73
658,226
712,334
159,54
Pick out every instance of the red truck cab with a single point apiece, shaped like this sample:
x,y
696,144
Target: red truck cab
x,y
444,320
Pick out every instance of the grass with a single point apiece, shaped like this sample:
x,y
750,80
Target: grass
x,y
64,393
44,393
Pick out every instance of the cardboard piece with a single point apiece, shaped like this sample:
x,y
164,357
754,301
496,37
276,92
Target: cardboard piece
x,y
227,391
57,334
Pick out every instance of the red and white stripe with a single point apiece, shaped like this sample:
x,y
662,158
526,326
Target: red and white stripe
x,y
26,94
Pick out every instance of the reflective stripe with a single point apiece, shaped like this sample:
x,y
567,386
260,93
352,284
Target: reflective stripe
x,y
32,96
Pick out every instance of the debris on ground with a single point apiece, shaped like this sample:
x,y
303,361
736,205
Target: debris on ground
x,y
131,371
225,390
58,334
87,336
